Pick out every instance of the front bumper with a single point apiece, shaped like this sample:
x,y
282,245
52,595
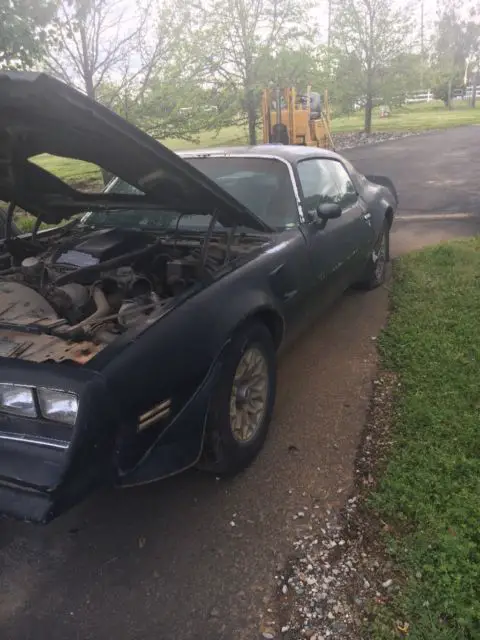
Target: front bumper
x,y
46,468
25,504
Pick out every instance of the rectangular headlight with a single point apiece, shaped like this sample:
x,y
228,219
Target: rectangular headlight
x,y
60,406
17,399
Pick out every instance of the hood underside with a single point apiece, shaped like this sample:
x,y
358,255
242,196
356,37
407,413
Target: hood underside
x,y
39,114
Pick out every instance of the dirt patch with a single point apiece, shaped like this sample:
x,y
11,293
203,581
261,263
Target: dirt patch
x,y
339,572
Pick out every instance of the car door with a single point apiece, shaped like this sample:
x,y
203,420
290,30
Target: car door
x,y
360,235
332,246
290,272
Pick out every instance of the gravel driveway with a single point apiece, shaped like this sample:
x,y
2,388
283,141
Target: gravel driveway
x,y
195,559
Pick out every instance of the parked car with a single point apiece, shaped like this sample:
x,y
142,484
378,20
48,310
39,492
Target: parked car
x,y
140,337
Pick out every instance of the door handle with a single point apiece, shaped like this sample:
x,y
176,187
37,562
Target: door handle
x,y
367,216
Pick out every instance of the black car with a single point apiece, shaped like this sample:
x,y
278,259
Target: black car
x,y
140,337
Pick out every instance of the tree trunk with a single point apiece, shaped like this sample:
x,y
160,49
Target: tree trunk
x,y
90,87
369,103
368,115
252,118
474,89
449,94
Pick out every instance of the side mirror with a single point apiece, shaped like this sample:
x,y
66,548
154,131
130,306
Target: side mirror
x,y
329,211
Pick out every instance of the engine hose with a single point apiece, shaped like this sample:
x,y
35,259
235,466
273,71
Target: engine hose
x,y
103,309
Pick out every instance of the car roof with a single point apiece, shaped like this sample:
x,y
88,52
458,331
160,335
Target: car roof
x,y
291,153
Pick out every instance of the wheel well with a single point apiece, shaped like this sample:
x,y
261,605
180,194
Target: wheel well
x,y
272,320
389,216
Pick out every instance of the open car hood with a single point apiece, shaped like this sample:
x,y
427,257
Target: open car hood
x,y
39,114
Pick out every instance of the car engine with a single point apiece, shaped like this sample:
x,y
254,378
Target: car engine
x,y
90,286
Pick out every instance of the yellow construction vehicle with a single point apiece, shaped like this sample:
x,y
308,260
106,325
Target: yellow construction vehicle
x,y
291,118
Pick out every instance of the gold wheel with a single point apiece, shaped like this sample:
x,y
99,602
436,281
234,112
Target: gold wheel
x,y
248,399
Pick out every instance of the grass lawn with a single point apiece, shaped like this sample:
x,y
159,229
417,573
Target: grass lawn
x,y
414,117
88,175
430,492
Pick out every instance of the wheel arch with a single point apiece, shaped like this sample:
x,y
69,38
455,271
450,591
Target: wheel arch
x,y
268,316
389,216
274,323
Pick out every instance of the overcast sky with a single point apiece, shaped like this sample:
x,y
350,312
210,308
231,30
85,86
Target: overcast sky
x,y
429,6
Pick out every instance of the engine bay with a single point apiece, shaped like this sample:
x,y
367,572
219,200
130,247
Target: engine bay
x,y
66,294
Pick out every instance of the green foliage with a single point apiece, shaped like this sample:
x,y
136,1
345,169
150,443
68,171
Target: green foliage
x,y
431,489
419,117
247,45
291,68
446,86
95,43
371,41
25,31
456,45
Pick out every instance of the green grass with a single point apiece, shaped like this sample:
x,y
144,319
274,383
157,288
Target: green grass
x,y
431,488
85,175
411,118
415,117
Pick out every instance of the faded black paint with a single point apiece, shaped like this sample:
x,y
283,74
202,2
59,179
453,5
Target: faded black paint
x,y
292,276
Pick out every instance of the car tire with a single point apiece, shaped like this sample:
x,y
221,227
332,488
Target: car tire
x,y
231,441
376,270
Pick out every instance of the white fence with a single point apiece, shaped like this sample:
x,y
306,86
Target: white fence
x,y
419,96
427,96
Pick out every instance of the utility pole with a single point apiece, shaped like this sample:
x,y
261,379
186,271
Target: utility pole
x,y
329,33
329,37
422,27
422,40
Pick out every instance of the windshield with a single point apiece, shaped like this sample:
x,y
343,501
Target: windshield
x,y
261,185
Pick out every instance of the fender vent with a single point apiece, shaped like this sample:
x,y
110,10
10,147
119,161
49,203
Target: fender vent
x,y
158,412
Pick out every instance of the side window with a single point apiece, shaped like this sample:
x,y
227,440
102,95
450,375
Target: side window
x,y
348,193
357,178
317,182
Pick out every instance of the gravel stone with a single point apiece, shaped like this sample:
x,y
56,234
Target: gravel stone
x,y
339,564
358,138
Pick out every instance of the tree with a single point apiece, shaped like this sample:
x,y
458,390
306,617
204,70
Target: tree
x,y
129,61
452,47
292,68
25,30
173,96
94,44
472,30
370,37
244,36
137,63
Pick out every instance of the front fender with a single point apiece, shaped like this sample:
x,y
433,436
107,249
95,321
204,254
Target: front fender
x,y
385,182
170,360
180,347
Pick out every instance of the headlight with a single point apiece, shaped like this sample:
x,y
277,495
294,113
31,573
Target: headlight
x,y
59,406
19,400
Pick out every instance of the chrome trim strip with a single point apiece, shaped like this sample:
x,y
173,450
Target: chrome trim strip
x,y
43,442
155,414
263,156
158,407
156,418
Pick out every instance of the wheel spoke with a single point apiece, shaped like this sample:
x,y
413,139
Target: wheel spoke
x,y
249,395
